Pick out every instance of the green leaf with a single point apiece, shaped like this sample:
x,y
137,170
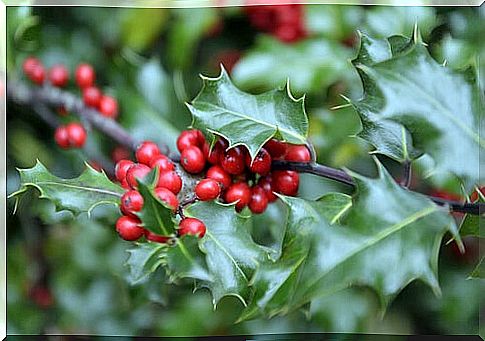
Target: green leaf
x,y
155,215
81,194
413,105
231,254
479,271
247,119
144,259
137,36
388,238
470,225
315,64
333,21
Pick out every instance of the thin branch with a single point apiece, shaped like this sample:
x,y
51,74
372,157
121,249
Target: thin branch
x,y
342,177
407,173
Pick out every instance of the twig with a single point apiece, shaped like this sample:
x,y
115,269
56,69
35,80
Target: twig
x,y
407,173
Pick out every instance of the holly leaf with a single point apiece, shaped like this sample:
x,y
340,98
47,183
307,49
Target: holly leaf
x,y
388,238
155,215
77,195
413,105
230,252
315,64
144,259
470,225
245,119
479,271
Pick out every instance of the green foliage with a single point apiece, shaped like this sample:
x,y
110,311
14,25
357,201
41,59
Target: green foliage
x,y
413,105
250,120
81,194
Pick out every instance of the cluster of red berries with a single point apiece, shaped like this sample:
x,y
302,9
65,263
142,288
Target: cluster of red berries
x,y
72,135
286,22
230,176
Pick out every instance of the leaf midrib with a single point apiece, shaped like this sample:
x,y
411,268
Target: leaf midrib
x,y
251,118
90,189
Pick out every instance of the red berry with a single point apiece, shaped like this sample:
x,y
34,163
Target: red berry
x,y
77,134
266,184
125,184
285,182
298,153
108,107
192,226
85,75
95,165
192,159
38,75
207,189
58,75
171,181
91,96
475,195
62,137
162,162
129,228
120,153
276,149
168,197
149,235
215,155
121,168
259,200
239,192
131,202
261,164
188,138
30,64
200,138
137,171
146,151
220,175
234,161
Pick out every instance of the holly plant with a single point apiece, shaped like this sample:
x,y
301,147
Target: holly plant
x,y
190,213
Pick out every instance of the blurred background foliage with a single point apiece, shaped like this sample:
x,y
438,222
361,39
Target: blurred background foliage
x,y
67,276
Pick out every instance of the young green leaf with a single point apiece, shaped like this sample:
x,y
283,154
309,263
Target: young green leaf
x,y
413,105
78,195
250,120
388,238
231,254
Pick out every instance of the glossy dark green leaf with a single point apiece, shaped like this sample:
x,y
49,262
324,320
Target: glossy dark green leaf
x,y
155,215
144,259
470,225
413,105
250,120
231,254
78,195
388,238
310,65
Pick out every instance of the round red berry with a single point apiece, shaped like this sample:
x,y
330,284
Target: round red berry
x,y
261,164
259,200
61,137
58,75
108,106
207,189
215,155
266,184
129,228
220,175
30,64
85,75
77,134
131,202
239,192
137,171
167,196
192,159
298,153
171,181
121,168
38,74
234,161
276,149
186,139
91,96
192,226
162,162
146,151
285,182
149,235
